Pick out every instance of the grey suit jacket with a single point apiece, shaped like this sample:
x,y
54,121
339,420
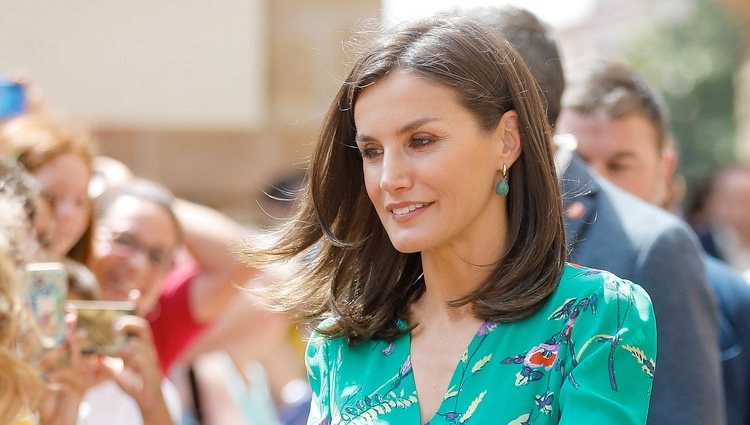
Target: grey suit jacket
x,y
610,229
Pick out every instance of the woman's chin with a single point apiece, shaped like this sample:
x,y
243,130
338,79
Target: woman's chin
x,y
408,246
61,247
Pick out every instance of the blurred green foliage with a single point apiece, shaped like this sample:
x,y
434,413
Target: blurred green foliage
x,y
693,61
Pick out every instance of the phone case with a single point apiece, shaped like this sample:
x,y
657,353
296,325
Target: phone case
x,y
96,325
47,290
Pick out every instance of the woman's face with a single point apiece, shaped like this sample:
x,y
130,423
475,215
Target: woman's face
x,y
132,251
64,181
429,168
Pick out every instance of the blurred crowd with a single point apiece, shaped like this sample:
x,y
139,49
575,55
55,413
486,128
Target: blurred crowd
x,y
190,336
176,309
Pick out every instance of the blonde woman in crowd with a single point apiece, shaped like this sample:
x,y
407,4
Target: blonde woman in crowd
x,y
20,383
22,356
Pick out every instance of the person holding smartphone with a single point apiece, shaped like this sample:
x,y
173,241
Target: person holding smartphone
x,y
59,156
23,347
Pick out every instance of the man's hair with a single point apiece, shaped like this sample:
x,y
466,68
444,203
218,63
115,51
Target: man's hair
x,y
535,44
613,90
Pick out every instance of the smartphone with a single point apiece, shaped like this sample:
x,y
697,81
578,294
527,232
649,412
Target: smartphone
x,y
12,98
96,325
47,291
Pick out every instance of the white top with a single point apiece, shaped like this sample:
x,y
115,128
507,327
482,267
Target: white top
x,y
566,144
107,404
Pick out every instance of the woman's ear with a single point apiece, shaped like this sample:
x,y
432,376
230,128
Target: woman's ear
x,y
509,132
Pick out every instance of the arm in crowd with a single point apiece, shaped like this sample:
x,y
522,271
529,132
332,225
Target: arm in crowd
x,y
212,239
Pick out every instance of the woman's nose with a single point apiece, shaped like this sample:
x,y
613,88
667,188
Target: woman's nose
x,y
65,208
396,171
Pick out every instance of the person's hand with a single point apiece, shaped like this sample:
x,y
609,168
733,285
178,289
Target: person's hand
x,y
66,385
137,370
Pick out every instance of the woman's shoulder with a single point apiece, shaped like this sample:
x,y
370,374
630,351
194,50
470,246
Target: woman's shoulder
x,y
327,351
320,341
318,335
579,281
599,289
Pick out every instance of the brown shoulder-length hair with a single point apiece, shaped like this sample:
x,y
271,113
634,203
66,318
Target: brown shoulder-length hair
x,y
350,270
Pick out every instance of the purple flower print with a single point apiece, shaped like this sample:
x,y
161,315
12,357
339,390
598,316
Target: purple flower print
x,y
405,368
402,373
544,402
486,328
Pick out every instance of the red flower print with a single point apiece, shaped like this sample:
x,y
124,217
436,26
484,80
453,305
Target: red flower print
x,y
543,355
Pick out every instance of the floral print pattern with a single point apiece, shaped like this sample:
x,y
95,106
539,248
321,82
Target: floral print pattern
x,y
593,340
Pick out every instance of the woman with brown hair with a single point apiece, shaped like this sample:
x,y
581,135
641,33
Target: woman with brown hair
x,y
433,234
59,155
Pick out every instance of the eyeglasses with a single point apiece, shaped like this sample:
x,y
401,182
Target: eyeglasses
x,y
157,257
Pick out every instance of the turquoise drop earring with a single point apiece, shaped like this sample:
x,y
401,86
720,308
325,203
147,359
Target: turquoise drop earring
x,y
502,188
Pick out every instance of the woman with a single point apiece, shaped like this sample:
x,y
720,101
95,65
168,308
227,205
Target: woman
x,y
59,156
18,341
23,358
433,227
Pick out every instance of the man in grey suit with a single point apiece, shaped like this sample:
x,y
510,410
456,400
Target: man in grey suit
x,y
613,230
620,124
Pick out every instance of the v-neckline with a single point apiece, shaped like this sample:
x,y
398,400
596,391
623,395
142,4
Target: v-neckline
x,y
466,358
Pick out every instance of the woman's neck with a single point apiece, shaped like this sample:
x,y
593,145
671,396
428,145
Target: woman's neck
x,y
456,268
451,274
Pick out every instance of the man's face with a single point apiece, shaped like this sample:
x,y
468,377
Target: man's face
x,y
133,249
622,150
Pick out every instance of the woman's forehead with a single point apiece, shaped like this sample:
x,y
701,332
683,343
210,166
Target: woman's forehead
x,y
148,219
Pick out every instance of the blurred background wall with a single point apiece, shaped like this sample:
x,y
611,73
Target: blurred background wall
x,y
219,100
216,100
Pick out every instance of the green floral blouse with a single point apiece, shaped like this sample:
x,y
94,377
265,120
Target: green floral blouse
x,y
586,357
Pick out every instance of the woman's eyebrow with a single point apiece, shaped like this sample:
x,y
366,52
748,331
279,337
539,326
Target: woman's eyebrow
x,y
405,129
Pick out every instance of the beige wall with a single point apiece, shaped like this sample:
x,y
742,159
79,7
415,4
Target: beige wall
x,y
215,100
158,64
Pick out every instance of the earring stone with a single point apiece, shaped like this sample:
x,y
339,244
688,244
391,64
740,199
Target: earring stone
x,y
502,188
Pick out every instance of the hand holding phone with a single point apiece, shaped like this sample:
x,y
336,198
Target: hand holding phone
x,y
96,325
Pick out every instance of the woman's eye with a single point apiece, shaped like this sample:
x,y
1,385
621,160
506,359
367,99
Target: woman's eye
x,y
370,153
50,198
421,141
